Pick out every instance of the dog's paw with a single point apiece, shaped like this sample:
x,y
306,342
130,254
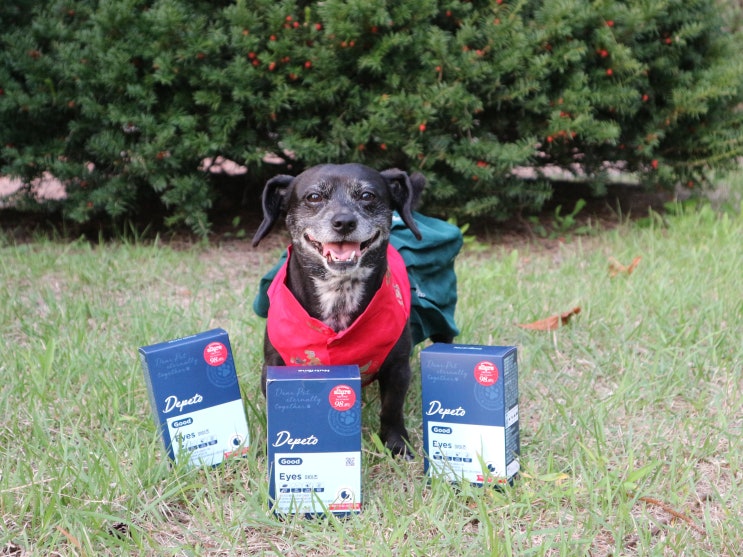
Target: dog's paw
x,y
399,446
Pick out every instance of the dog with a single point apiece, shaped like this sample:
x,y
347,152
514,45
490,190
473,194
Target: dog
x,y
343,284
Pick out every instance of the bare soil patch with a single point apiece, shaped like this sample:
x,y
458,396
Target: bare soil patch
x,y
237,216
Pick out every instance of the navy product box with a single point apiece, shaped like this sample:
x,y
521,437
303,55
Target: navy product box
x,y
314,439
196,399
470,412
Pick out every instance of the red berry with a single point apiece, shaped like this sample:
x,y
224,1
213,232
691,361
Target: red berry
x,y
383,146
272,66
610,23
318,26
645,98
272,38
654,164
609,72
422,127
289,18
308,64
549,139
251,55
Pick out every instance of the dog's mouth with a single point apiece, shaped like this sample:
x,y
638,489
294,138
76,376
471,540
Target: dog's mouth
x,y
341,254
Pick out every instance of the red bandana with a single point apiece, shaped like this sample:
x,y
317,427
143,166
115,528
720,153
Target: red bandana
x,y
302,340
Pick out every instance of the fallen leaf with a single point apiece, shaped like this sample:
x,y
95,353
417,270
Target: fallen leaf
x,y
119,530
615,267
551,323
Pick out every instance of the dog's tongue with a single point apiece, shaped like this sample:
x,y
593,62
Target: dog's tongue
x,y
341,251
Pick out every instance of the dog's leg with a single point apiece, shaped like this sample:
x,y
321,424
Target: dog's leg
x,y
394,380
392,389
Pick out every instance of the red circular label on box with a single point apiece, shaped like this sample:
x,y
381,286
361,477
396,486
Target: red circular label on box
x,y
342,397
215,353
486,373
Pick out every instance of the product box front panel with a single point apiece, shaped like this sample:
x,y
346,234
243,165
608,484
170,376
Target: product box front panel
x,y
195,397
470,412
314,439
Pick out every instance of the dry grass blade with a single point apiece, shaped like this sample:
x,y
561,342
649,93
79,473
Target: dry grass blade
x,y
674,513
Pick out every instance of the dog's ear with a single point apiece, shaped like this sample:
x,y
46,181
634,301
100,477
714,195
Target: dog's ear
x,y
275,195
404,195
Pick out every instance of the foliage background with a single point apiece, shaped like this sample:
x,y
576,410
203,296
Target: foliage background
x,y
123,101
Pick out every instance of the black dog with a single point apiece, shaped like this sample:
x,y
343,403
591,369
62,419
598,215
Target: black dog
x,y
341,266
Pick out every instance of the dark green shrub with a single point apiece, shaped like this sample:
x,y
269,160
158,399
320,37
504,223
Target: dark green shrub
x,y
124,100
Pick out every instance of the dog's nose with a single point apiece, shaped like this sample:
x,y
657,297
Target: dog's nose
x,y
344,223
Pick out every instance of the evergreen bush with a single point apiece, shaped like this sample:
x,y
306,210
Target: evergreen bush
x,y
124,100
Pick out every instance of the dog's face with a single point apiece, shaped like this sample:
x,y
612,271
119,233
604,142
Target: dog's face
x,y
338,216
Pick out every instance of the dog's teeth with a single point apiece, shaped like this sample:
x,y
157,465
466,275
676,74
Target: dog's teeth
x,y
337,259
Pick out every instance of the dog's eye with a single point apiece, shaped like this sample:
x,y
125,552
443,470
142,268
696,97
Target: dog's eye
x,y
313,197
368,196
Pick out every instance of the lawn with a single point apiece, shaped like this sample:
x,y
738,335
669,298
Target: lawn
x,y
631,413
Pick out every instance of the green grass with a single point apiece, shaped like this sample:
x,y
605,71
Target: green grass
x,y
631,416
